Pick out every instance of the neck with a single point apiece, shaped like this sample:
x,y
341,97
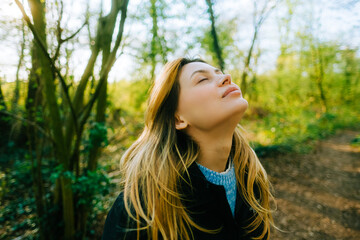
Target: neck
x,y
215,148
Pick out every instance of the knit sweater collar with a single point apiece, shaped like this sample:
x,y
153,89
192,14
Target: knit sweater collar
x,y
222,178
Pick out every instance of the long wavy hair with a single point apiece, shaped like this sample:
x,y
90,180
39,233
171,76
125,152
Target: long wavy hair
x,y
153,166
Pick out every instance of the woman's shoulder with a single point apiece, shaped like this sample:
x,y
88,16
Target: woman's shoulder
x,y
115,219
118,223
119,201
118,209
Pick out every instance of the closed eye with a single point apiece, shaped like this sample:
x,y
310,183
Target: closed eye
x,y
203,79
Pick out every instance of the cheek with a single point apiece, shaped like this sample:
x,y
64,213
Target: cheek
x,y
200,97
199,104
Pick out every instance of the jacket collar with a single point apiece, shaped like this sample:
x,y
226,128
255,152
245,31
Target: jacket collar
x,y
198,181
200,185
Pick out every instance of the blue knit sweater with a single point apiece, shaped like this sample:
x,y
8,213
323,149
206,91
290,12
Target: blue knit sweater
x,y
226,179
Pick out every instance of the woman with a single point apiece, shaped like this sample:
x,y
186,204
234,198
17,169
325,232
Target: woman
x,y
191,174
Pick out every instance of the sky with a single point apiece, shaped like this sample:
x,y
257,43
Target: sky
x,y
338,20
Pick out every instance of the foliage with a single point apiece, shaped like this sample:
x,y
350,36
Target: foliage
x,y
97,136
17,201
356,141
92,183
18,209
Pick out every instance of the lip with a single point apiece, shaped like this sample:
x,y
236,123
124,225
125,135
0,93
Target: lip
x,y
229,90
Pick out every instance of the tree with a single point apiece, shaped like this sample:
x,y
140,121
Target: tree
x,y
216,45
158,42
154,49
284,25
42,99
350,74
4,121
258,20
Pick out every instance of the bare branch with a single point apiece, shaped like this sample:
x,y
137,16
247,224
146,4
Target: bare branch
x,y
75,33
59,32
61,41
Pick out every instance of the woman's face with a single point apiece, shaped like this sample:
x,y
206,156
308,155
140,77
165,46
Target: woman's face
x,y
203,100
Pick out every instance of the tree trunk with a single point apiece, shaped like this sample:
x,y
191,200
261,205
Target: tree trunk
x,y
247,64
216,44
319,75
37,8
320,80
4,123
15,100
154,31
2,100
34,108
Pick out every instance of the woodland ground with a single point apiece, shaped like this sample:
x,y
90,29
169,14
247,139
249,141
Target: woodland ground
x,y
318,194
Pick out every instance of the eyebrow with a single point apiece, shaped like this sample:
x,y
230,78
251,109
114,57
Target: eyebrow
x,y
203,71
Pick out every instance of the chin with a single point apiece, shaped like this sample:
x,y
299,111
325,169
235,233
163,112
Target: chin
x,y
242,104
240,110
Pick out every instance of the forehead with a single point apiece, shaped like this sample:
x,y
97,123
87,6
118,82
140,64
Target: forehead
x,y
190,68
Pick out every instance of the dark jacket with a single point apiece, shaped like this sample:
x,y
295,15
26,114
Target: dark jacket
x,y
209,208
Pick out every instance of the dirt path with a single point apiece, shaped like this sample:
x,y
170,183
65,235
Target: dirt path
x,y
318,194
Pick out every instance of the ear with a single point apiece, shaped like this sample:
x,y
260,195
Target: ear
x,y
180,122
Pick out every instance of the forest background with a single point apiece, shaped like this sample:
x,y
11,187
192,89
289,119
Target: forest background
x,y
75,75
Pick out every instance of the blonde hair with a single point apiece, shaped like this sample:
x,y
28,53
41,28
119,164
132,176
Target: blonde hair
x,y
154,165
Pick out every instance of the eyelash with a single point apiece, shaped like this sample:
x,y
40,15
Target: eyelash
x,y
207,78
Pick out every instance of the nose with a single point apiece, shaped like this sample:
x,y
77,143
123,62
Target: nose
x,y
226,79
